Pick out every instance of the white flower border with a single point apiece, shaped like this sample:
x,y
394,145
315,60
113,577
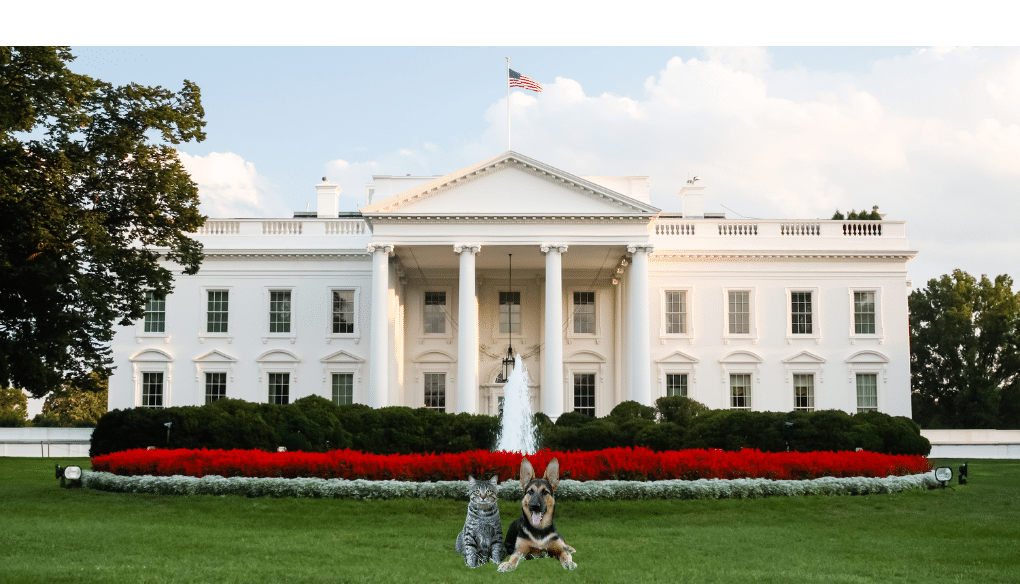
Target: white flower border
x,y
509,490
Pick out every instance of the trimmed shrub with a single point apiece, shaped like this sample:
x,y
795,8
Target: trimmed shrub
x,y
679,410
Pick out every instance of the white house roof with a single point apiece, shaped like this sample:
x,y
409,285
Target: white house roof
x,y
509,184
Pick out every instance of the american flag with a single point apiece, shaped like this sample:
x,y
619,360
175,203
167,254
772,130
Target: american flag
x,y
518,80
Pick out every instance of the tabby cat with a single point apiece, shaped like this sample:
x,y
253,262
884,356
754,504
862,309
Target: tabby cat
x,y
482,536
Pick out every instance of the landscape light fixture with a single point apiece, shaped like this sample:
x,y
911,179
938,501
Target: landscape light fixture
x,y
963,473
168,424
943,474
70,476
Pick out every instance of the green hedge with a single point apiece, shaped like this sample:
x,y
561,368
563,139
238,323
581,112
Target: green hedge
x,y
316,424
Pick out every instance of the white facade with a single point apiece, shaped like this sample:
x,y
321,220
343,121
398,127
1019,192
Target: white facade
x,y
402,303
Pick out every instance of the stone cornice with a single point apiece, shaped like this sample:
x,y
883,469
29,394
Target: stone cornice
x,y
670,256
509,219
285,254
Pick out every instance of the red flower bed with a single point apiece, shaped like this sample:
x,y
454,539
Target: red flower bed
x,y
614,463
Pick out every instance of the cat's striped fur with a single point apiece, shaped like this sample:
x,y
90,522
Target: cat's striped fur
x,y
481,539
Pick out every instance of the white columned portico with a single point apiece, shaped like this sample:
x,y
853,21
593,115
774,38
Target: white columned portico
x,y
378,388
639,343
467,332
552,355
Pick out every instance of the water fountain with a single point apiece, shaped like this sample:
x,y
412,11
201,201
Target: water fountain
x,y
517,432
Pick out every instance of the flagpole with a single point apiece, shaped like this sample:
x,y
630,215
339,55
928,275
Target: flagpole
x,y
508,103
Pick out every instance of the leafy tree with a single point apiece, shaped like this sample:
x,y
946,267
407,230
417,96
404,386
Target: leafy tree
x,y
965,365
72,406
92,196
13,407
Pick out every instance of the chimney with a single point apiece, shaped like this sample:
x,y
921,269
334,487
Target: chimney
x,y
693,199
329,199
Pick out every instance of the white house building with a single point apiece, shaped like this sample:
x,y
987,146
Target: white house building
x,y
412,302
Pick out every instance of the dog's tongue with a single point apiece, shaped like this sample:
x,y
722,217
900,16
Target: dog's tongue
x,y
536,518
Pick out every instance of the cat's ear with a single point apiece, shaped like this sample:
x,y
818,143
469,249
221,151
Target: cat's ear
x,y
471,481
494,480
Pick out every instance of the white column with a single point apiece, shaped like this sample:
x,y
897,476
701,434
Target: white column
x,y
379,357
552,355
639,344
467,332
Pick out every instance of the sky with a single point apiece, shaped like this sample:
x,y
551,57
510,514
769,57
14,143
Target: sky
x,y
930,135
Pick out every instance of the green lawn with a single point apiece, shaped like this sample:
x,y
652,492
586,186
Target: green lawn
x,y
49,534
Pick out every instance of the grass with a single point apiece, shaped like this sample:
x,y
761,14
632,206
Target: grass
x,y
962,534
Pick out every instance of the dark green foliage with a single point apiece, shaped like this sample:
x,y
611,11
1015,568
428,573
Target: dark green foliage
x,y
93,197
679,410
965,353
630,410
573,420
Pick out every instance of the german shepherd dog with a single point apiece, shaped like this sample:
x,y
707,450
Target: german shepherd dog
x,y
533,534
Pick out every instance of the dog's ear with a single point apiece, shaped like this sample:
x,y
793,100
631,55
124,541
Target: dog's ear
x,y
527,473
552,473
494,480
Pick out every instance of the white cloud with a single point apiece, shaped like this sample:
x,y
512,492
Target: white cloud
x,y
229,186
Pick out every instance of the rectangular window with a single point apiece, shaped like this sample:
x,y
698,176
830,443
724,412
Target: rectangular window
x,y
279,388
155,313
216,311
152,390
435,391
800,313
584,313
343,388
804,392
740,313
435,313
864,313
343,311
279,311
676,384
584,393
676,312
867,392
740,391
510,312
215,387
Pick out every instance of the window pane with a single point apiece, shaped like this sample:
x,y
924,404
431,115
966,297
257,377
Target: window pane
x,y
864,313
740,313
155,313
740,390
584,313
676,312
343,311
343,388
584,393
279,311
867,392
435,391
152,390
804,392
800,312
215,386
676,384
435,313
510,312
217,310
279,388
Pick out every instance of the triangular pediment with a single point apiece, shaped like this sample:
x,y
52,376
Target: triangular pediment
x,y
509,185
678,357
342,357
215,356
805,358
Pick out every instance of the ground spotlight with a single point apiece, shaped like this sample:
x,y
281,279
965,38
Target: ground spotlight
x,y
69,476
943,474
963,474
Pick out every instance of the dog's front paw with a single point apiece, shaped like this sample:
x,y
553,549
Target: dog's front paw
x,y
569,565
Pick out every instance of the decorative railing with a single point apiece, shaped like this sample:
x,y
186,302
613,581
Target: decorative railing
x,y
674,228
739,229
800,229
305,227
863,228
